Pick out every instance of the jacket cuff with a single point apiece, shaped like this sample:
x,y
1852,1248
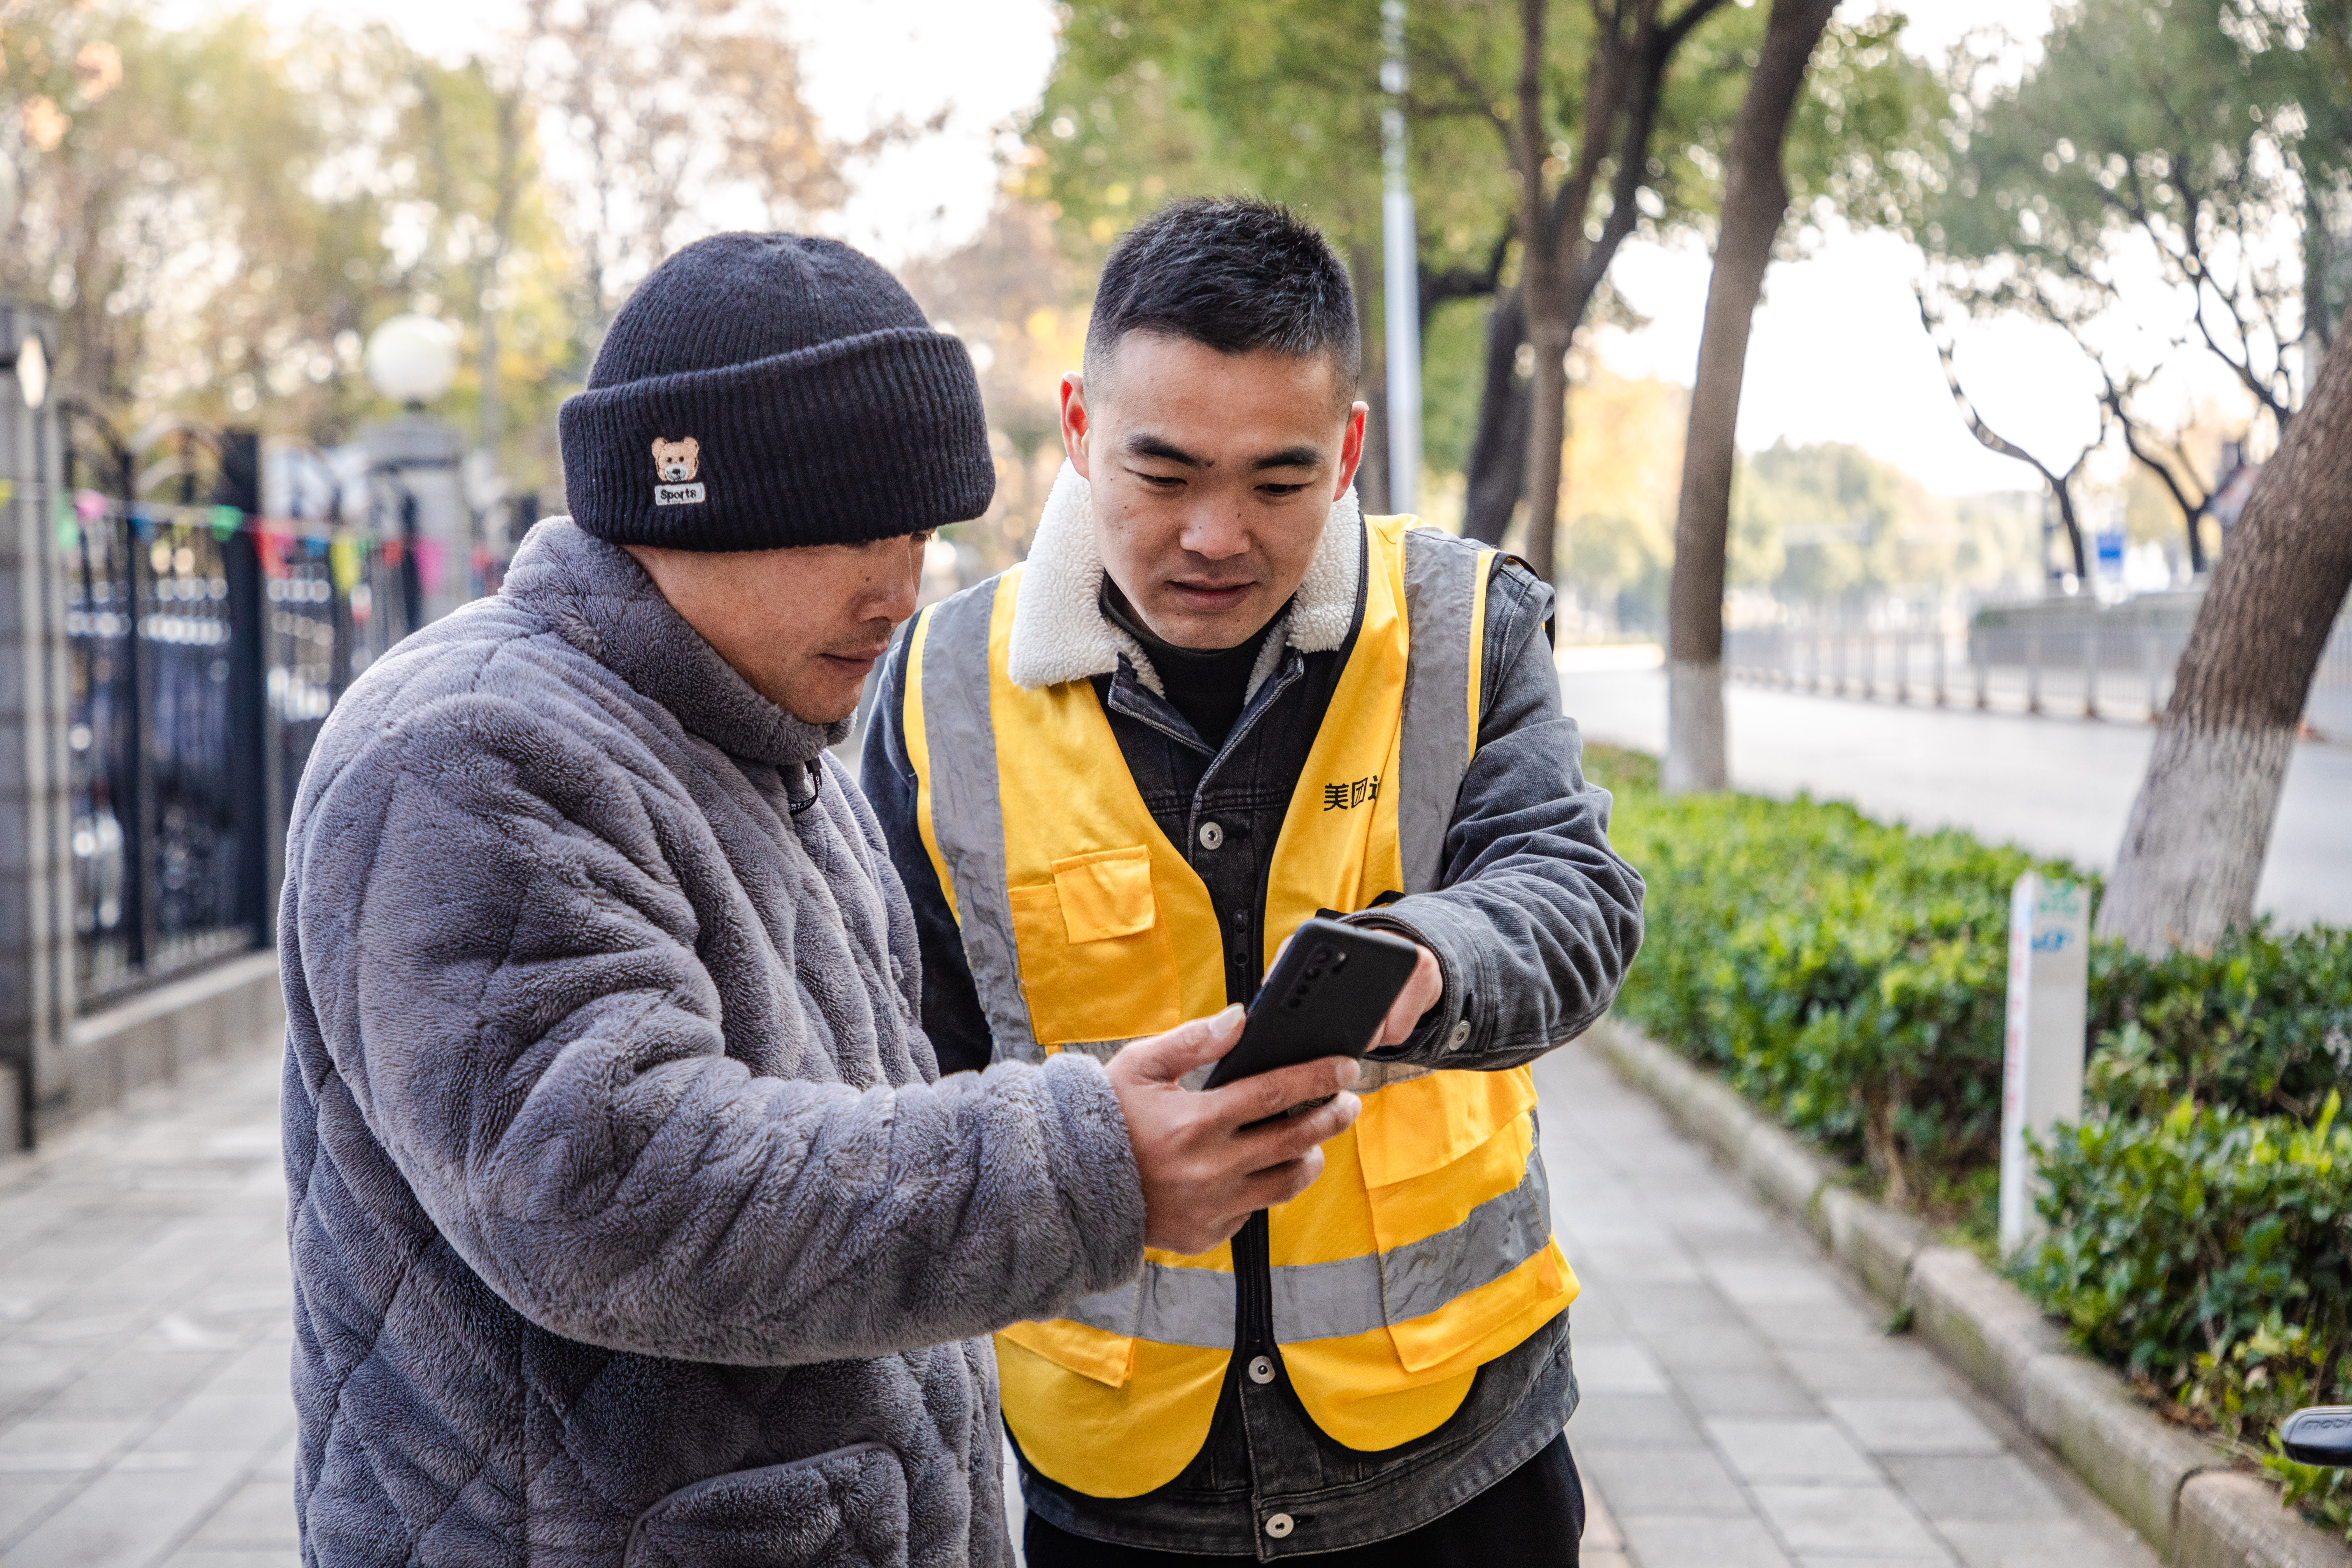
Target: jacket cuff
x,y
1094,1163
1456,1027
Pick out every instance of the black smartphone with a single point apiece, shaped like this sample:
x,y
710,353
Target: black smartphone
x,y
1326,997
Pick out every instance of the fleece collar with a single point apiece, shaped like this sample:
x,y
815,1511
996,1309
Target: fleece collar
x,y
598,599
1059,632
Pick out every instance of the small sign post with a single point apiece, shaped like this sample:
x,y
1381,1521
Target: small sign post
x,y
2041,1066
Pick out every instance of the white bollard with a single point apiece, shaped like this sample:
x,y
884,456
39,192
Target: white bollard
x,y
2049,1009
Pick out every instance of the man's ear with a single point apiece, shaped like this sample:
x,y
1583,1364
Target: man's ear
x,y
1351,448
1073,421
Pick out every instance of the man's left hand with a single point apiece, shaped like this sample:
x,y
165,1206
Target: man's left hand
x,y
1420,994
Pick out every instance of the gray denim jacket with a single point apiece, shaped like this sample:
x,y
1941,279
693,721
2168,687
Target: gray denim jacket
x,y
1533,922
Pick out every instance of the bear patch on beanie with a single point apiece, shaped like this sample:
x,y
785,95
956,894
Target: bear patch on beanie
x,y
675,463
790,392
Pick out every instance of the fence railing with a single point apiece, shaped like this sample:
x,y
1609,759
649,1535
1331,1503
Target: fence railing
x,y
2047,656
205,647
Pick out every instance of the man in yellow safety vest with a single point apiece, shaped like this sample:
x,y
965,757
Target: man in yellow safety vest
x,y
1216,699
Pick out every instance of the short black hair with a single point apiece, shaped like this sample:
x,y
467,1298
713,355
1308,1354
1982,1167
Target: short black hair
x,y
1232,273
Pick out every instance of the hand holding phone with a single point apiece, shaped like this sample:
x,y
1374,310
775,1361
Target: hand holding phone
x,y
1327,995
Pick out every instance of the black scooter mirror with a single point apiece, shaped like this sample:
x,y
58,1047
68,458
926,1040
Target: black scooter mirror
x,y
2319,1436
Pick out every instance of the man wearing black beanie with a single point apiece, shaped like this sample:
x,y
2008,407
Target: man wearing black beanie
x,y
630,1224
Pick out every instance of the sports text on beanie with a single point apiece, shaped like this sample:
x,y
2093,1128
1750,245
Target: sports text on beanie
x,y
766,390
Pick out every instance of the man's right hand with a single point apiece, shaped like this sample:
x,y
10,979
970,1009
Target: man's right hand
x,y
1203,1175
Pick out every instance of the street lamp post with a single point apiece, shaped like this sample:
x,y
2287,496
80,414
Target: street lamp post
x,y
1402,272
36,946
411,359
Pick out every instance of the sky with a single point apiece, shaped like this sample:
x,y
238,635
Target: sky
x,y
1836,354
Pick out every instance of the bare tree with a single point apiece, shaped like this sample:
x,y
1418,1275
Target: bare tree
x,y
2061,486
2192,851
1755,203
1568,236
673,114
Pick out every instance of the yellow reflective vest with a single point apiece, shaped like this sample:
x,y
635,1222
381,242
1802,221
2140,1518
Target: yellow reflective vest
x,y
1424,1249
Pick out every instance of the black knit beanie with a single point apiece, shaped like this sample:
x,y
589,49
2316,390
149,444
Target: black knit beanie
x,y
764,390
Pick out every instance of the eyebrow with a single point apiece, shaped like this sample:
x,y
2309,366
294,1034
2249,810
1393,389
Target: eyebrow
x,y
1145,445
1288,458
1148,445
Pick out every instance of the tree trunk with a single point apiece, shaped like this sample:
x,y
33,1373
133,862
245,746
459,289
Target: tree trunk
x,y
1755,201
1372,471
1541,268
1546,435
1498,453
2192,851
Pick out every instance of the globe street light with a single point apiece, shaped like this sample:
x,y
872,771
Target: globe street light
x,y
413,463
411,359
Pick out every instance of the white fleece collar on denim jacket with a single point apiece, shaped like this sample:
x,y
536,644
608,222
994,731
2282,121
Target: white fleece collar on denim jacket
x,y
1058,630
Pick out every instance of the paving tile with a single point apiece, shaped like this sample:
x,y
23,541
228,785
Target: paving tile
x,y
1884,1369
1601,1533
1775,1282
2036,1543
258,1514
1694,1356
1848,1519
1973,1486
1617,1366
1659,1309
1817,1325
196,1555
130,1382
1790,1451
40,1444
1673,1541
1937,1424
1633,1421
1764,1392
126,1517
23,1497
1638,1480
1666,1265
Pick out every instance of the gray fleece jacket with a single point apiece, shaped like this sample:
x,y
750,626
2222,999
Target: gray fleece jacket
x,y
630,1220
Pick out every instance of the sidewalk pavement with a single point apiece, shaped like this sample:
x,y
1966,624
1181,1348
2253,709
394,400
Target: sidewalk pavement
x,y
1742,1408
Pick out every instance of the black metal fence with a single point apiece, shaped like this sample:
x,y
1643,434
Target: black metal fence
x,y
207,646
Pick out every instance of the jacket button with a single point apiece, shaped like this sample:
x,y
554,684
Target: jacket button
x,y
1211,835
1279,1526
1459,1038
1261,1370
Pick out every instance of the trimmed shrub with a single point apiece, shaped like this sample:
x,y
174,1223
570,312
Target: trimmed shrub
x,y
1850,977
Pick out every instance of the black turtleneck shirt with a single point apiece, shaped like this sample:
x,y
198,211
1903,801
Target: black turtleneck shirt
x,y
1209,686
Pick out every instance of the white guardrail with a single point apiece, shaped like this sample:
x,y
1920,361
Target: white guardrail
x,y
2046,656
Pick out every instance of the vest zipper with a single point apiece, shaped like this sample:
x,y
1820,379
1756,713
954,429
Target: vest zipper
x,y
1253,1292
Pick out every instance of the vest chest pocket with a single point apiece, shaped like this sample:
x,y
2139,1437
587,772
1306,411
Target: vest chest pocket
x,y
1096,962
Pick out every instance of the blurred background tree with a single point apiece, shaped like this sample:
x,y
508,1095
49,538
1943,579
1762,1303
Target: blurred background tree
x,y
2198,145
220,211
1151,100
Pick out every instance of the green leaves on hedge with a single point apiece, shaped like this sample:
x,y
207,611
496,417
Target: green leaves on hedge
x,y
1852,975
1849,974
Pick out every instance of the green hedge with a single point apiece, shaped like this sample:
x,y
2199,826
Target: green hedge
x,y
1849,974
1850,977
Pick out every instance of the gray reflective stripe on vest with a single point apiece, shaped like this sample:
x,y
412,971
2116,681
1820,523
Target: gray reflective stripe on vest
x,y
1171,1305
1440,581
1178,1306
1356,1295
967,817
